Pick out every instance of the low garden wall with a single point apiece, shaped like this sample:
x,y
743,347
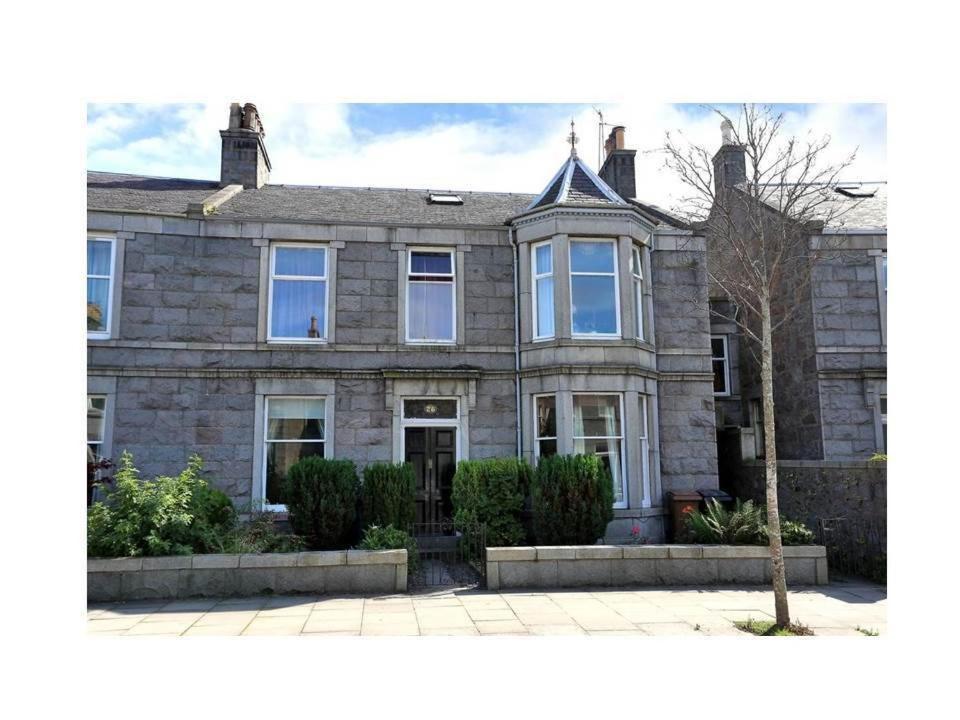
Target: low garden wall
x,y
622,565
182,576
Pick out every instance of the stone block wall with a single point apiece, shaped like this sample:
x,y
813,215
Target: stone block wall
x,y
488,296
688,445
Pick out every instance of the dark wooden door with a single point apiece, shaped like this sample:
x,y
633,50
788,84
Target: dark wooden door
x,y
433,453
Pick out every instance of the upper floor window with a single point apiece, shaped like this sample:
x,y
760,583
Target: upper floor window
x,y
636,271
296,428
594,289
884,263
96,410
543,291
298,293
597,430
100,271
721,364
545,425
431,296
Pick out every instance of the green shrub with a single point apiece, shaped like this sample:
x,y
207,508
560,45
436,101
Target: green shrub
x,y
389,495
572,500
321,498
259,534
491,492
164,516
745,524
376,537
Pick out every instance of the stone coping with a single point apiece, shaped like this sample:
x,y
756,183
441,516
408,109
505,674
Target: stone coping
x,y
630,552
320,558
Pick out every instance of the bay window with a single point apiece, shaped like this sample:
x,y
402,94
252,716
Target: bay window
x,y
100,273
298,293
543,291
598,430
594,288
431,296
295,429
545,425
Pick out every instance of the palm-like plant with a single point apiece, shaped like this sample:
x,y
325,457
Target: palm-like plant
x,y
743,525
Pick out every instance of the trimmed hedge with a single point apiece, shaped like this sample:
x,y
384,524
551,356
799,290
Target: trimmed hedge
x,y
572,500
491,492
321,498
389,495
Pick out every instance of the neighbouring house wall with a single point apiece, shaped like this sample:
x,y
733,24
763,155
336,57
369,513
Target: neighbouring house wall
x,y
849,305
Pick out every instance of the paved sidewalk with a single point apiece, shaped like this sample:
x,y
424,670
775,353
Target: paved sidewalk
x,y
837,609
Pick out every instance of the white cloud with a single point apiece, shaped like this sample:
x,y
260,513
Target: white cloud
x,y
315,145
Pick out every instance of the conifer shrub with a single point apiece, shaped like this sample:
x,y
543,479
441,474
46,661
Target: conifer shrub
x,y
572,497
491,492
321,498
389,495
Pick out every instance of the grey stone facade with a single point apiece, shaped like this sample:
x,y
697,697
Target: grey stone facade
x,y
189,365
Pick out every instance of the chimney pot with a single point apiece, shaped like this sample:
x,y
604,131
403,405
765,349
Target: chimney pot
x,y
235,115
619,171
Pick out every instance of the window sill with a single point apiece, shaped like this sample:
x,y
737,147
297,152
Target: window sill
x,y
446,343
98,336
296,341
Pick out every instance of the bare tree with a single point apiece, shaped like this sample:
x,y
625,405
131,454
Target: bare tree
x,y
761,219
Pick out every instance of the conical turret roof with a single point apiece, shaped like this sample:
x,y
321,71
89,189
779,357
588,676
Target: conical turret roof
x,y
576,184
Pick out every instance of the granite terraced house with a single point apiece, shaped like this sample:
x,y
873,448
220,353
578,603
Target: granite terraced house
x,y
256,324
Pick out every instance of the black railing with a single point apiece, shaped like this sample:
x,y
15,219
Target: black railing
x,y
450,554
856,546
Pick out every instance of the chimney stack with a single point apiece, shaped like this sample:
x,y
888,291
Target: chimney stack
x,y
243,155
619,165
730,162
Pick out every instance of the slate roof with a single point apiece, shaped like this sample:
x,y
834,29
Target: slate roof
x,y
852,205
113,191
576,184
110,191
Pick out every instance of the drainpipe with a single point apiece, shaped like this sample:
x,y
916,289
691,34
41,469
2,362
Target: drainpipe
x,y
516,333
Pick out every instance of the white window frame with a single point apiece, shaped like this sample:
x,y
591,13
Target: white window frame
x,y
103,428
535,275
277,507
636,272
726,364
536,426
406,422
301,278
616,286
644,437
97,237
625,485
453,294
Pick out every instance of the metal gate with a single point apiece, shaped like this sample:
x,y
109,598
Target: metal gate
x,y
856,547
449,554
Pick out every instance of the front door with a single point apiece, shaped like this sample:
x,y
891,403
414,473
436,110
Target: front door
x,y
433,453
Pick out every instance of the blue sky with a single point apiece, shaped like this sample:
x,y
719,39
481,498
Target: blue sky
x,y
505,147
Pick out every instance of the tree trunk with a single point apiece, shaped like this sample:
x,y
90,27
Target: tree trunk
x,y
770,448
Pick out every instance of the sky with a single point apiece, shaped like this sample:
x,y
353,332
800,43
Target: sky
x,y
492,147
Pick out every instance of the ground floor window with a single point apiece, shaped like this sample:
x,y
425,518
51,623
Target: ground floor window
x,y
295,429
96,413
545,425
756,418
883,407
598,430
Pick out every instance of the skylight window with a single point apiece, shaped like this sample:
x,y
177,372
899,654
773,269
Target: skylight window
x,y
445,199
856,191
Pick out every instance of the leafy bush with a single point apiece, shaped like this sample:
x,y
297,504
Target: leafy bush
x,y
164,516
321,498
376,537
491,492
745,524
572,500
259,534
389,495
